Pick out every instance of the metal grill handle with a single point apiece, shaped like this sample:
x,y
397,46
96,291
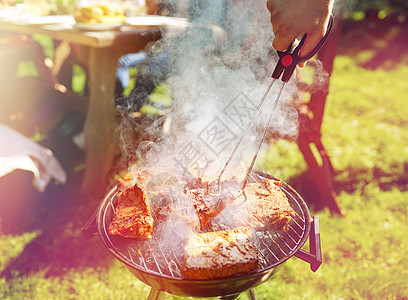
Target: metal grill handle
x,y
314,258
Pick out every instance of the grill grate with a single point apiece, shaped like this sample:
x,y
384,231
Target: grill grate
x,y
274,247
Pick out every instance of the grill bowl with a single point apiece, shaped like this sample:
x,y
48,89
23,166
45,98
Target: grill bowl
x,y
146,260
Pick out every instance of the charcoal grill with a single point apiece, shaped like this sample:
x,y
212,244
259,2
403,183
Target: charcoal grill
x,y
149,263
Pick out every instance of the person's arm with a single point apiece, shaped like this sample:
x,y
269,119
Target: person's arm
x,y
152,6
292,18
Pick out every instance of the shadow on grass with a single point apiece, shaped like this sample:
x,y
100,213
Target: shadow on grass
x,y
58,215
356,180
384,39
306,187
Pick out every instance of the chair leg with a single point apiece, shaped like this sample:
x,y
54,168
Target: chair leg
x,y
325,157
321,174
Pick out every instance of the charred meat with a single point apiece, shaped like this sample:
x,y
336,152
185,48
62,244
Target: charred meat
x,y
171,204
220,254
132,211
207,205
140,198
267,206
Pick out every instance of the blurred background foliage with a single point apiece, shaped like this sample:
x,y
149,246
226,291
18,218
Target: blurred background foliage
x,y
358,8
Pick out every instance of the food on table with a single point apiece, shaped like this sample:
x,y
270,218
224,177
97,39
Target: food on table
x,y
7,3
220,254
96,14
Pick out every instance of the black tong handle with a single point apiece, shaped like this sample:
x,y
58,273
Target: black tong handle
x,y
289,58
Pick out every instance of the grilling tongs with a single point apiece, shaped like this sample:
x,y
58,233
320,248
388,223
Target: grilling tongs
x,y
288,60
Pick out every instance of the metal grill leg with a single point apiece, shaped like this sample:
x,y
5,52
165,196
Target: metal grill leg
x,y
252,294
154,294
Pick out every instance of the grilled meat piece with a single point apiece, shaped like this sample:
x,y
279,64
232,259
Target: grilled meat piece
x,y
172,205
267,205
193,204
210,204
132,211
206,205
220,254
130,222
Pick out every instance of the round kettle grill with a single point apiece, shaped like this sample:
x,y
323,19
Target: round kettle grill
x,y
161,269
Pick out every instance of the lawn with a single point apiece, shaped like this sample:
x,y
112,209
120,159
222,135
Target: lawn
x,y
365,131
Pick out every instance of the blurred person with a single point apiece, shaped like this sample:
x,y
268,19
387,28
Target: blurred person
x,y
131,60
152,67
155,67
217,27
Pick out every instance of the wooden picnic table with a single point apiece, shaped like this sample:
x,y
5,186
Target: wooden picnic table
x,y
102,50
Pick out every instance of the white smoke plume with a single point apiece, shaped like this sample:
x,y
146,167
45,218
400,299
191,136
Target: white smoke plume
x,y
219,74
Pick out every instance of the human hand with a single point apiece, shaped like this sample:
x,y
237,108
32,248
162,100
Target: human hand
x,y
152,6
293,18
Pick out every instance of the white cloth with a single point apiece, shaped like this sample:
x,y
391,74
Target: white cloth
x,y
19,152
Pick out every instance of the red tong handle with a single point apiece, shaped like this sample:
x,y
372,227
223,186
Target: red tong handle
x,y
289,58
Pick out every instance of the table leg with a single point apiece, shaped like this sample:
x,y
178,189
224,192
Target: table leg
x,y
100,123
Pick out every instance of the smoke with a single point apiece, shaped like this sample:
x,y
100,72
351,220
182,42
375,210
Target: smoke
x,y
221,66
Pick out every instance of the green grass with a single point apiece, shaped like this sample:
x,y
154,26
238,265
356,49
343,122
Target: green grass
x,y
365,131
